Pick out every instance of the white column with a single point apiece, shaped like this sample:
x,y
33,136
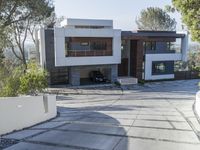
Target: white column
x,y
184,46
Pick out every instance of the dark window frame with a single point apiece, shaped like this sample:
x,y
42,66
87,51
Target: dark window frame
x,y
168,46
152,46
156,68
94,47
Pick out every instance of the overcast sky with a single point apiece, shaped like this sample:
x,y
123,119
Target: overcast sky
x,y
123,12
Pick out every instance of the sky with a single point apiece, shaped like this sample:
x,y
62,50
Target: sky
x,y
122,12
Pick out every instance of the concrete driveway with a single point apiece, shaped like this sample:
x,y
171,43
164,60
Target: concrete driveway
x,y
157,116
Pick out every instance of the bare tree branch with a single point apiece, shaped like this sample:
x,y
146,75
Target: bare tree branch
x,y
31,31
13,50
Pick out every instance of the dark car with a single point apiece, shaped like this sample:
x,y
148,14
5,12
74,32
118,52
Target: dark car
x,y
97,76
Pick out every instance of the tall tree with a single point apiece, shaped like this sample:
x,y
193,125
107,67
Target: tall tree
x,y
1,58
4,34
20,16
156,19
190,11
12,11
18,39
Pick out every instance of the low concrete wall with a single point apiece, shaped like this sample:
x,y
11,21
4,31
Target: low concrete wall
x,y
17,113
197,104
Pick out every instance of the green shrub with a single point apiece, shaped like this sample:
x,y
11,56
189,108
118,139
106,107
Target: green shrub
x,y
15,81
34,80
141,82
10,82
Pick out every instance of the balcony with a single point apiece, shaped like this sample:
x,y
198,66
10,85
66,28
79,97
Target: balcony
x,y
88,53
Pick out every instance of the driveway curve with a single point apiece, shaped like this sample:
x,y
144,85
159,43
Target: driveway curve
x,y
154,116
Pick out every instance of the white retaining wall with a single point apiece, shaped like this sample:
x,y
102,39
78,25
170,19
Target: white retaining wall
x,y
197,104
17,113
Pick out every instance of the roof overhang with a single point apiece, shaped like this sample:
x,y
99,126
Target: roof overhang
x,y
150,34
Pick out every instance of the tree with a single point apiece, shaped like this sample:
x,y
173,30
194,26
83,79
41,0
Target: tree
x,y
4,34
17,41
20,17
190,11
12,11
194,60
47,21
1,58
156,19
10,80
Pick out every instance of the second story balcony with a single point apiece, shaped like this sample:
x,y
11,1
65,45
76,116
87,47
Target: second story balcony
x,y
154,47
84,53
88,47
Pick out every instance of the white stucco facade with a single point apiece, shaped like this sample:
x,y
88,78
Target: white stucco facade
x,y
149,58
41,39
184,45
69,30
70,22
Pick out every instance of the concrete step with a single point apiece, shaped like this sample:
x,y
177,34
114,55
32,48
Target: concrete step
x,y
127,80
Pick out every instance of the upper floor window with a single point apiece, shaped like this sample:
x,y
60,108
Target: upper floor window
x,y
174,46
170,46
150,45
89,27
98,45
89,46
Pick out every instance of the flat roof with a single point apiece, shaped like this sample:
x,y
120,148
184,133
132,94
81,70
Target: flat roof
x,y
87,22
151,34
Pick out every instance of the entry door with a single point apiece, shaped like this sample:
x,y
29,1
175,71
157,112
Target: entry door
x,y
123,67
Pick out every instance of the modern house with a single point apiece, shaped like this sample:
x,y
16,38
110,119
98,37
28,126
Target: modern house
x,y
80,46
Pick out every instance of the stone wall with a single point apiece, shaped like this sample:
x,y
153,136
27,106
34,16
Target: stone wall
x,y
74,76
57,75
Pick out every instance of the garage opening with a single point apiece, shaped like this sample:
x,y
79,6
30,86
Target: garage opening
x,y
95,75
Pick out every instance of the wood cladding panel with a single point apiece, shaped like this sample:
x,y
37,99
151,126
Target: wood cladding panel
x,y
123,67
136,58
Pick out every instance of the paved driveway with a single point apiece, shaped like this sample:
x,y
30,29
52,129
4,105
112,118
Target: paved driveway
x,y
157,116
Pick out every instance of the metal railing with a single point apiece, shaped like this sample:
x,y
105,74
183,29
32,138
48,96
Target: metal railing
x,y
84,53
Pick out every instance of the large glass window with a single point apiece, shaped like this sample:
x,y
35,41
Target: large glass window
x,y
177,45
151,45
67,46
80,47
158,68
171,46
98,45
174,46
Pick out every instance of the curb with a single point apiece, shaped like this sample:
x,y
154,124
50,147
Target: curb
x,y
197,107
